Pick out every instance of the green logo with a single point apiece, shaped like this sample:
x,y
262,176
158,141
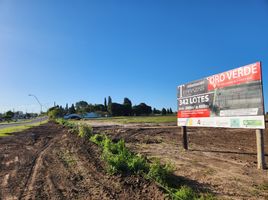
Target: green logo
x,y
252,122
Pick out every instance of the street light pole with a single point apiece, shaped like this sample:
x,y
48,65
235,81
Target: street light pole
x,y
31,95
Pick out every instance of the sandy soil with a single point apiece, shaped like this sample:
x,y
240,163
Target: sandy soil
x,y
220,161
47,162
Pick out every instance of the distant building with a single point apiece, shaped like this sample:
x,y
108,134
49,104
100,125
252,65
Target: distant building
x,y
18,115
91,115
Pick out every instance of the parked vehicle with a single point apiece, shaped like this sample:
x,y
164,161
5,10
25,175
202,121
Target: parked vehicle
x,y
73,116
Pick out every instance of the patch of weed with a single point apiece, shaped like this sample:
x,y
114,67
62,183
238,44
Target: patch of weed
x,y
85,131
67,158
184,193
98,139
263,186
118,157
160,173
73,127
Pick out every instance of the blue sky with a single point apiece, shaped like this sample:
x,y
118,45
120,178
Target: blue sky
x,y
66,51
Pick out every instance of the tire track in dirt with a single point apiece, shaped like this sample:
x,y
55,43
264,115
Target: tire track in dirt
x,y
14,160
48,162
36,164
52,186
95,177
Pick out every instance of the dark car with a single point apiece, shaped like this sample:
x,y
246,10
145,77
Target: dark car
x,y
73,116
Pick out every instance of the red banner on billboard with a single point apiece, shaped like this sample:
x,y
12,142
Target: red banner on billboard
x,y
194,113
240,75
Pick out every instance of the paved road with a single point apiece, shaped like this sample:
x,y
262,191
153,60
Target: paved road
x,y
40,119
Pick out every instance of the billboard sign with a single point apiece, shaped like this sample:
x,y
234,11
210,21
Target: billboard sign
x,y
232,99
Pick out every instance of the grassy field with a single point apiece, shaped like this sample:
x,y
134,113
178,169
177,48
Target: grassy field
x,y
7,131
139,119
17,122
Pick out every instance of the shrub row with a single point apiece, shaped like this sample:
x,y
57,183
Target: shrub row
x,y
122,161
83,131
118,157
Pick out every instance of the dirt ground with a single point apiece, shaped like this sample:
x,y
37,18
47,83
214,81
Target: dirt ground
x,y
220,161
47,162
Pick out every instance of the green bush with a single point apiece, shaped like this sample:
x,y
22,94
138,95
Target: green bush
x,y
138,163
187,193
118,157
61,121
98,139
73,127
117,162
184,193
160,173
115,155
85,131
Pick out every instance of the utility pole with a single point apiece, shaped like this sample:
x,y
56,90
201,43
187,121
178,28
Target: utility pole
x,y
37,101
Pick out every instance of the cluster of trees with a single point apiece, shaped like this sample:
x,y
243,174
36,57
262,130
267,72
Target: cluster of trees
x,y
108,108
114,109
164,111
126,108
8,115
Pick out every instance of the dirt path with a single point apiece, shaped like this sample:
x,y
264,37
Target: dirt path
x,y
222,161
47,162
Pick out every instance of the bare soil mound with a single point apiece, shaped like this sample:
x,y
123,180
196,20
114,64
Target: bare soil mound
x,y
47,162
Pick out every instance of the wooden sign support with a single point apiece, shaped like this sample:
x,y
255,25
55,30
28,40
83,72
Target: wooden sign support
x,y
260,149
184,137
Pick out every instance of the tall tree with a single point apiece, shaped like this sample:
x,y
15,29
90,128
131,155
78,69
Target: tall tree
x,y
110,106
164,111
72,109
66,110
105,104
